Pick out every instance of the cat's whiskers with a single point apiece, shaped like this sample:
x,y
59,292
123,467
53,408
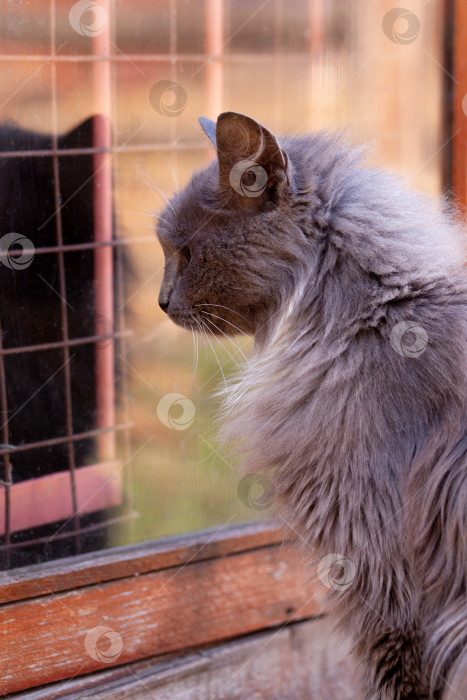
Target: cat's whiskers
x,y
225,348
153,187
202,333
150,227
155,190
172,171
194,355
149,211
206,335
225,321
162,193
222,307
226,336
201,330
159,219
195,350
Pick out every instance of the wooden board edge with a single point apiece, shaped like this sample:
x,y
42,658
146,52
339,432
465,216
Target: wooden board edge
x,y
67,634
130,560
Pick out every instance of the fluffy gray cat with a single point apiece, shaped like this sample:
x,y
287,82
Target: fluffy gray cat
x,y
355,400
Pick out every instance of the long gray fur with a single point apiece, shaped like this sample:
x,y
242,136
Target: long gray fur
x,y
354,402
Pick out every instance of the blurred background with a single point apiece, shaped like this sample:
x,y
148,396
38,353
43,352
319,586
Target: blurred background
x,y
376,72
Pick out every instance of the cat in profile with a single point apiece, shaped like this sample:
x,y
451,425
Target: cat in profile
x,y
354,402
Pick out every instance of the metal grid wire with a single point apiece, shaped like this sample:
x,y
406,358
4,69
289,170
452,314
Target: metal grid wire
x,y
103,247
108,251
109,268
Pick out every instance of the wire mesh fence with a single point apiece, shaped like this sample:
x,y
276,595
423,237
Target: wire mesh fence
x,y
84,355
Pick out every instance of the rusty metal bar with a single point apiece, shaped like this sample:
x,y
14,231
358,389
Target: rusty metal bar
x,y
103,232
61,440
79,246
214,45
61,343
64,535
316,14
7,479
99,486
172,53
115,58
130,148
62,276
246,57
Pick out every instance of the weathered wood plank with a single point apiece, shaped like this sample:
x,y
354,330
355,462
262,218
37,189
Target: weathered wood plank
x,y
303,661
47,639
121,562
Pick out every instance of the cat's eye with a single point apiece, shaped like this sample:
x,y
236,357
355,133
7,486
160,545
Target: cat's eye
x,y
186,252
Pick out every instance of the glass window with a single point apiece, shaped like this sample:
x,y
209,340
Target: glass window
x,y
107,408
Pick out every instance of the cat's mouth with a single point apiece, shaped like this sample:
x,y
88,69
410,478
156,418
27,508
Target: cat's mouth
x,y
202,325
220,320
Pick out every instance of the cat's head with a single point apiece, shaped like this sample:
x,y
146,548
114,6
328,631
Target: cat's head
x,y
231,238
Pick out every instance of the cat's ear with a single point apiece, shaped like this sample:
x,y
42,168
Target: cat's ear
x,y
81,136
209,128
253,169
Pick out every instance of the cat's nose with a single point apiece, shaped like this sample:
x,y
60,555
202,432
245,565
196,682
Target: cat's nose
x,y
164,305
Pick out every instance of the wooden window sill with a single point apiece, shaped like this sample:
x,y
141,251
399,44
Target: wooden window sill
x,y
158,597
